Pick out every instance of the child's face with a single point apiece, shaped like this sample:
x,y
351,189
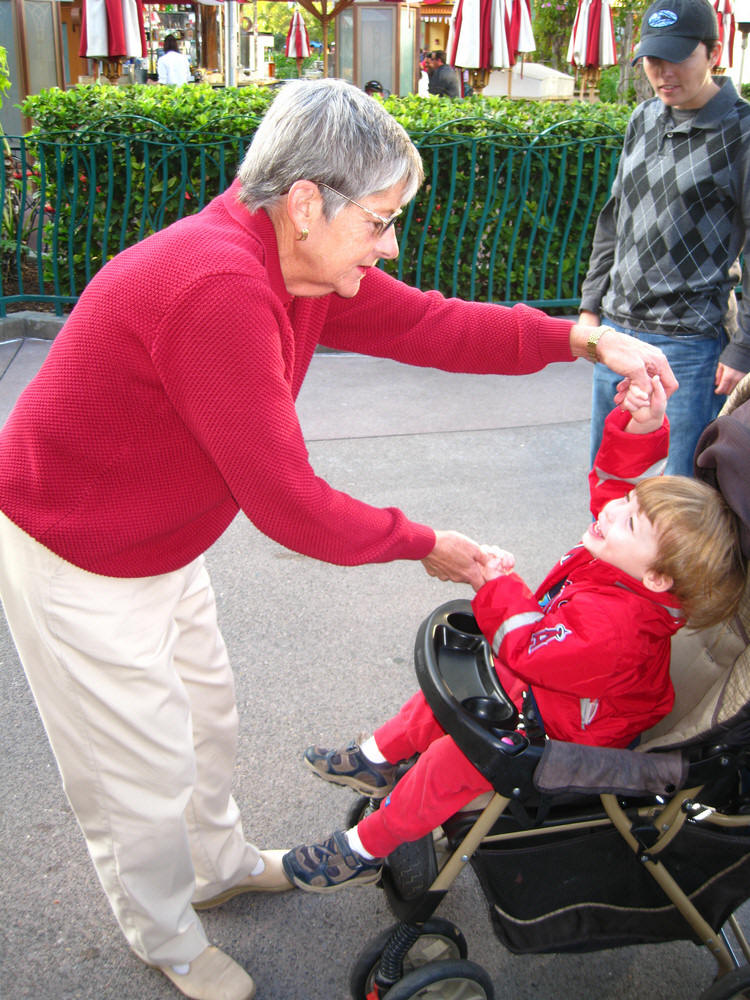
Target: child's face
x,y
624,537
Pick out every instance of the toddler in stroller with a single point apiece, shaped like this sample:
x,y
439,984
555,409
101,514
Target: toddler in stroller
x,y
581,848
585,660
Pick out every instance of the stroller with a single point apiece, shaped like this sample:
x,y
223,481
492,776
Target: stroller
x,y
579,848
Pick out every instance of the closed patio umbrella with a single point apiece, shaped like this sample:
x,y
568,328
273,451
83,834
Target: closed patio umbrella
x,y
725,16
488,34
520,35
297,40
592,41
112,30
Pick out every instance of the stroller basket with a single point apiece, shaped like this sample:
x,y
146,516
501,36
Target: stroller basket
x,y
589,892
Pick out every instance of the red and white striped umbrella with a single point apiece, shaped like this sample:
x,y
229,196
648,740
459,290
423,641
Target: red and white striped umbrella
x,y
725,16
519,33
489,34
112,29
297,40
592,42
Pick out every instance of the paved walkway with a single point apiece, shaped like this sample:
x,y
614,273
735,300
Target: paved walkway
x,y
320,654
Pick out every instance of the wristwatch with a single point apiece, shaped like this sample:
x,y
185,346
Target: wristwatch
x,y
593,341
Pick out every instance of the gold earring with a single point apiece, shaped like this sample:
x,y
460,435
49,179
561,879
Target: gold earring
x,y
303,235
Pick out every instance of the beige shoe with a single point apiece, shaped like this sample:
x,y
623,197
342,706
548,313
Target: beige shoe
x,y
212,976
271,879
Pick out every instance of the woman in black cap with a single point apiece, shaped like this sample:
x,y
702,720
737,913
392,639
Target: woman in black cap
x,y
665,259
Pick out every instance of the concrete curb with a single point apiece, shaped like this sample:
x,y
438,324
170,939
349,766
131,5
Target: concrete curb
x,y
40,326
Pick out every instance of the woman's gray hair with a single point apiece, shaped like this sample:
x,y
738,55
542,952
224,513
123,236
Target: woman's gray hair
x,y
328,132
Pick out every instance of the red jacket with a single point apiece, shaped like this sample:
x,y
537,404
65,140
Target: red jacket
x,y
597,655
167,402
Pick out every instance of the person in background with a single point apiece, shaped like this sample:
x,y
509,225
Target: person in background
x,y
443,78
172,68
166,406
665,257
375,89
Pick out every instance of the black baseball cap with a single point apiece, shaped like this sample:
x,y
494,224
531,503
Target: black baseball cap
x,y
671,29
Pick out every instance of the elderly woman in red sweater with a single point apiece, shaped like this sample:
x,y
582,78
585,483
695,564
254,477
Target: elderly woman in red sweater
x,y
165,407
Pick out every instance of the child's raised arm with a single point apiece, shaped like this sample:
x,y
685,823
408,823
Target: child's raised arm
x,y
646,409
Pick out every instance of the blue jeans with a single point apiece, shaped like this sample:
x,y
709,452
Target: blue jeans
x,y
695,404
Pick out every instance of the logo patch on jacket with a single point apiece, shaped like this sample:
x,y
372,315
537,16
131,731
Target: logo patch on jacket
x,y
556,633
589,708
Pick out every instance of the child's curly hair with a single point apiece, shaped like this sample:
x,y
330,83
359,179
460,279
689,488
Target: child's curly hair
x,y
698,546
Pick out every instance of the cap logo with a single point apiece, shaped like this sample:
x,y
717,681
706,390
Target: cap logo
x,y
662,19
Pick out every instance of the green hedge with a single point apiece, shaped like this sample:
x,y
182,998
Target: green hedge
x,y
511,195
506,213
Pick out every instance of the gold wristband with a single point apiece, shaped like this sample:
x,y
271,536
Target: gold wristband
x,y
593,341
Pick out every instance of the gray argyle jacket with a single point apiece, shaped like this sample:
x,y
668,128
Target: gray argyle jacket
x,y
666,251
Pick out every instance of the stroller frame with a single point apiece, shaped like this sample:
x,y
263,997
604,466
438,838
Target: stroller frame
x,y
545,789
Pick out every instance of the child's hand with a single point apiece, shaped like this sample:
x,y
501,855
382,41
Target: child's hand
x,y
646,410
499,563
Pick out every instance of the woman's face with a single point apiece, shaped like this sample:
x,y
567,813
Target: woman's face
x,y
338,253
687,84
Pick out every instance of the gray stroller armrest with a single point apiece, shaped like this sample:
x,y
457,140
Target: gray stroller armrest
x,y
571,767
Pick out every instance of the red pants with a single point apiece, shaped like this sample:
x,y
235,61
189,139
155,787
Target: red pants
x,y
441,782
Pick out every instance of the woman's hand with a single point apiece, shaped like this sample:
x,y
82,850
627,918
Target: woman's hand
x,y
457,558
635,360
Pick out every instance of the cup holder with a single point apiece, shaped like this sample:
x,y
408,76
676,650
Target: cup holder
x,y
460,632
489,711
463,622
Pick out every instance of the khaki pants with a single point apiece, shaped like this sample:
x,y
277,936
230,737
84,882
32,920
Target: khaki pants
x,y
133,684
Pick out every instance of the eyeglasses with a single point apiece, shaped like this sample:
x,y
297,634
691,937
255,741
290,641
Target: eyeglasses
x,y
380,223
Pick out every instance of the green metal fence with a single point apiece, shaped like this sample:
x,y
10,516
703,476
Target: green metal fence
x,y
501,217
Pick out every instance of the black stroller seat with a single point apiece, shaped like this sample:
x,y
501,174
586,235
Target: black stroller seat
x,y
579,848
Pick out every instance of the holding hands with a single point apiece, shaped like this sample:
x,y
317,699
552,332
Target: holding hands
x,y
636,360
646,409
458,558
500,562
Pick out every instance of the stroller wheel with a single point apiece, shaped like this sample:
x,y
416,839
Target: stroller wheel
x,y
412,867
733,986
440,941
362,807
458,980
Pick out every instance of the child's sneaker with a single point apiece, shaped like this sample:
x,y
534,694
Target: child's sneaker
x,y
349,766
329,866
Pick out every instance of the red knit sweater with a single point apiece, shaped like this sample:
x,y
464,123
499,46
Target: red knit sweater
x,y
167,402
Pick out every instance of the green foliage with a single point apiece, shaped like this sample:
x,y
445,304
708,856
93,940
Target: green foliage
x,y
507,210
286,66
191,112
4,73
16,194
511,195
21,201
274,19
553,24
119,163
